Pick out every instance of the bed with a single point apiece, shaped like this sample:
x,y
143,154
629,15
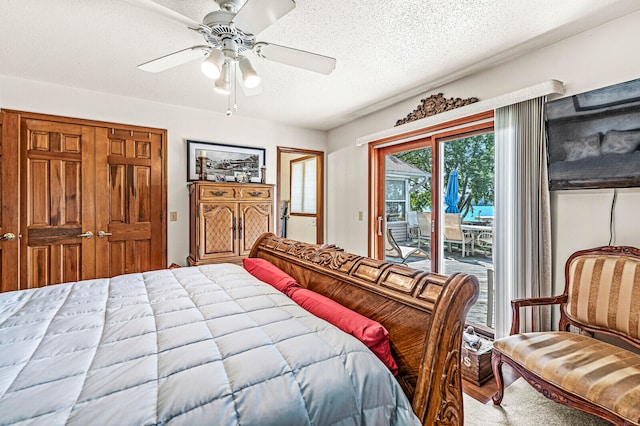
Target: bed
x,y
212,343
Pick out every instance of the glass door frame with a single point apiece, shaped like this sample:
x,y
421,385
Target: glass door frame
x,y
422,138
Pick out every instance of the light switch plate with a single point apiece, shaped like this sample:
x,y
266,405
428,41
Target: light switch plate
x,y
173,216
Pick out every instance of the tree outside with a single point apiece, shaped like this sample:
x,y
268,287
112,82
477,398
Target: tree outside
x,y
472,156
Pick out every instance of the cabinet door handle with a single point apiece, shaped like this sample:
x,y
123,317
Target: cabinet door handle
x,y
255,193
219,193
7,237
102,234
234,228
87,234
240,231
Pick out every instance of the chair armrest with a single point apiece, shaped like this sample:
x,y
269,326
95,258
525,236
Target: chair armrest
x,y
539,301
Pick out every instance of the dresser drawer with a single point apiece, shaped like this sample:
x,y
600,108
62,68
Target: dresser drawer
x,y
254,193
220,193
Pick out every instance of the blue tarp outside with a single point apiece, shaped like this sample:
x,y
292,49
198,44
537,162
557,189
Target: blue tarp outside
x,y
451,196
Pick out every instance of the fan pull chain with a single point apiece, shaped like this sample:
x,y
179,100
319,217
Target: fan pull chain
x,y
235,88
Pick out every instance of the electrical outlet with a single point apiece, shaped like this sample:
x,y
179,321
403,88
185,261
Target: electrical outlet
x,y
173,216
360,216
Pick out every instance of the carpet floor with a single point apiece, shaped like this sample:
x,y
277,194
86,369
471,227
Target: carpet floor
x,y
523,406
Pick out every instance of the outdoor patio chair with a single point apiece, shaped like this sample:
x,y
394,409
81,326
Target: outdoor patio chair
x,y
394,250
412,226
485,240
424,227
453,234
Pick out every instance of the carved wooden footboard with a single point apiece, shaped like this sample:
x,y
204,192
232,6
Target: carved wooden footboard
x,y
424,314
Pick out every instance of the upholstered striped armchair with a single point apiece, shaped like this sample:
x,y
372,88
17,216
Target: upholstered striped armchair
x,y
601,297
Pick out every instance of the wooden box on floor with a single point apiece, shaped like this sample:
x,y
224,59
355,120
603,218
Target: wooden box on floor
x,y
476,366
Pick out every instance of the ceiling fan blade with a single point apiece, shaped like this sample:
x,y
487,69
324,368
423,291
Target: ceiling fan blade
x,y
256,15
294,57
174,59
164,11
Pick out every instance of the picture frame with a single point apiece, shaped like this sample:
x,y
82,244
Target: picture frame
x,y
224,161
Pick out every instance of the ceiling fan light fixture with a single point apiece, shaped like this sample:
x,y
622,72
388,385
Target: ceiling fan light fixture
x,y
223,83
249,75
212,65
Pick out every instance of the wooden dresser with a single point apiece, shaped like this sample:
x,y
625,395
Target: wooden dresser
x,y
226,219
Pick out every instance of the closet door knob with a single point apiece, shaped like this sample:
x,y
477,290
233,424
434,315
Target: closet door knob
x,y
87,234
102,234
7,237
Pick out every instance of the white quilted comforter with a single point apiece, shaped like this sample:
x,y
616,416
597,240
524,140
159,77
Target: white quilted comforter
x,y
207,344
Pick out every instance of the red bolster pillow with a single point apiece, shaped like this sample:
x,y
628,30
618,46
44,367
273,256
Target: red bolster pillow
x,y
269,273
368,331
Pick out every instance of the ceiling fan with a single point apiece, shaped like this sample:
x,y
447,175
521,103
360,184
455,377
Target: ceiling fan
x,y
230,35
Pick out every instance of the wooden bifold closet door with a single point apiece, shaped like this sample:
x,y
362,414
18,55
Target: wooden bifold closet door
x,y
57,192
9,125
92,200
129,207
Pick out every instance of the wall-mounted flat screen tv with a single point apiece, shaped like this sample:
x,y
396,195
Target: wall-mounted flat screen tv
x,y
593,138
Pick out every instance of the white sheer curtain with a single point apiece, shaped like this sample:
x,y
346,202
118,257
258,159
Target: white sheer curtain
x,y
522,257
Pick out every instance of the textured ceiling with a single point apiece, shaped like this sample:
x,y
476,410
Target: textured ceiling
x,y
385,50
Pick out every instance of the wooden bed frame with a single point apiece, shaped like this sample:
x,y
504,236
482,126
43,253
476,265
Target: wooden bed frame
x,y
424,314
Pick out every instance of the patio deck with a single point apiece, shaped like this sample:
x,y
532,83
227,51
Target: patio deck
x,y
467,265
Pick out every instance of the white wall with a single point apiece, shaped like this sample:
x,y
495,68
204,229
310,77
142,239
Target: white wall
x,y
599,57
181,124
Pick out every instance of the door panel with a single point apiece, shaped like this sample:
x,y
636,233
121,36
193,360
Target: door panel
x,y
131,211
255,220
141,204
117,258
9,134
39,260
39,201
143,250
71,211
58,186
117,203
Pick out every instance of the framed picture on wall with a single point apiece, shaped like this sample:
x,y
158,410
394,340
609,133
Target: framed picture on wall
x,y
224,161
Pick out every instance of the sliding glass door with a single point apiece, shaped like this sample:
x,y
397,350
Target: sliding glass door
x,y
433,204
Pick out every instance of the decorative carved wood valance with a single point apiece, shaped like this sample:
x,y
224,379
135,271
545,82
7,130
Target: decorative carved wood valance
x,y
435,104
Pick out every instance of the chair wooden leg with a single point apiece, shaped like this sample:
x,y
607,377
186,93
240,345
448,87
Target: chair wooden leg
x,y
496,364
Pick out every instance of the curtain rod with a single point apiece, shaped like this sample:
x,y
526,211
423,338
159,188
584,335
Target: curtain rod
x,y
542,89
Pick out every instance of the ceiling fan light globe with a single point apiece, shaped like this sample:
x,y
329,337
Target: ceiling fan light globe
x,y
210,70
223,83
212,66
251,81
249,75
222,88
